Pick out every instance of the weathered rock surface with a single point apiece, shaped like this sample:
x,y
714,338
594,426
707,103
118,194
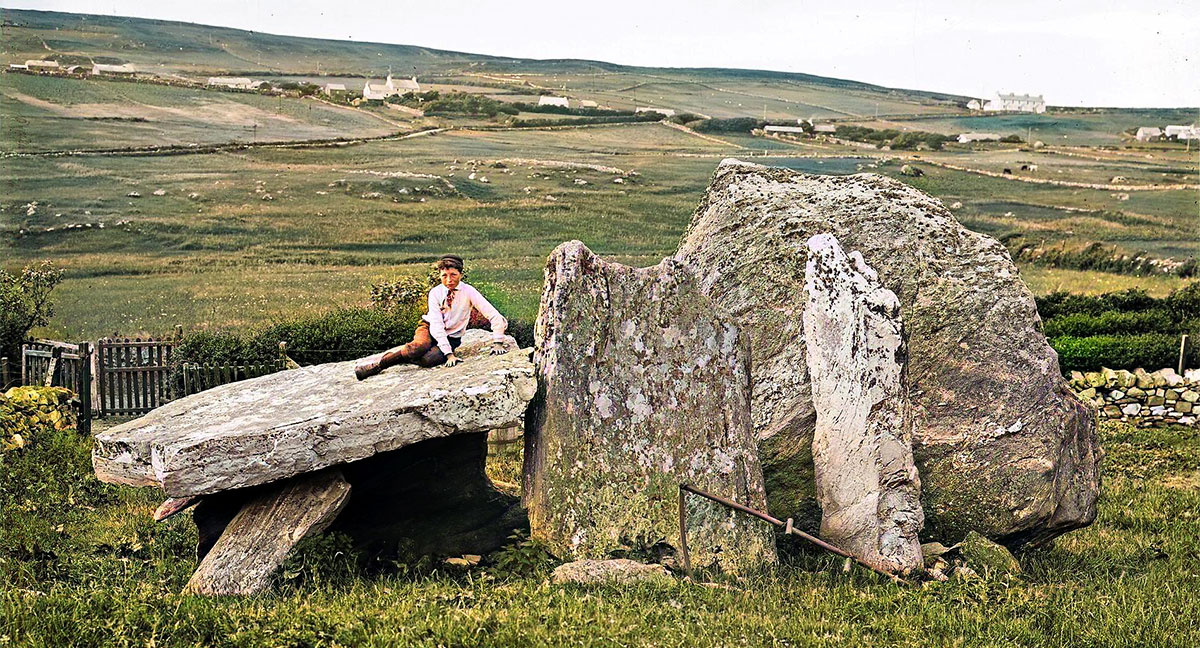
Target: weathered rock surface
x,y
297,421
866,481
620,570
988,558
1001,443
643,385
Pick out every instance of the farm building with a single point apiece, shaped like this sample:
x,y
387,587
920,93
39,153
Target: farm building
x,y
1182,132
794,130
1147,133
113,70
331,89
1016,103
967,138
824,128
237,83
389,88
975,104
18,66
546,100
665,112
35,64
588,103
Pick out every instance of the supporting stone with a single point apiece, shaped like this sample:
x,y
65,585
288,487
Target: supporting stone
x,y
867,483
259,537
643,385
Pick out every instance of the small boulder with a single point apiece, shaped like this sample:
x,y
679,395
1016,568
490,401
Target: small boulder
x,y
621,571
991,559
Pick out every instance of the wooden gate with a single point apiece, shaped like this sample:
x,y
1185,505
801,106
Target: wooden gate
x,y
133,375
61,364
199,377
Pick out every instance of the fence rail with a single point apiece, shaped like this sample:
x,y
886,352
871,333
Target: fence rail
x,y
199,377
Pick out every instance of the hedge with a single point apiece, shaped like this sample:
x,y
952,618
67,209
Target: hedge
x,y
1112,323
1150,351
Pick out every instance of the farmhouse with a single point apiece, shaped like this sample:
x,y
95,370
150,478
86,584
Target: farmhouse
x,y
546,100
824,128
975,104
1147,133
35,64
665,112
331,89
113,70
794,130
237,83
1182,132
1016,103
967,138
389,88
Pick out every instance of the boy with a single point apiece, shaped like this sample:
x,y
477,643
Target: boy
x,y
441,328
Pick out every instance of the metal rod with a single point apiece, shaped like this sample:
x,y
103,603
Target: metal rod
x,y
787,527
683,548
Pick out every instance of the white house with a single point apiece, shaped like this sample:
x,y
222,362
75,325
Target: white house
x,y
1016,103
974,104
1147,133
18,66
101,68
390,87
331,89
794,130
35,64
1180,132
967,138
665,112
237,83
546,100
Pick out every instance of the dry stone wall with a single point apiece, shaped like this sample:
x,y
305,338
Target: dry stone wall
x,y
1144,398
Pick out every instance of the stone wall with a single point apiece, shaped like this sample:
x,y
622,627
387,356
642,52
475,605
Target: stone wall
x,y
1142,397
27,411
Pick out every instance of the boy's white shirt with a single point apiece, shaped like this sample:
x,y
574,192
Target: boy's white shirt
x,y
444,323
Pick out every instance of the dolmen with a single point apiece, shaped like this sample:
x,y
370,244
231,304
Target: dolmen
x,y
397,459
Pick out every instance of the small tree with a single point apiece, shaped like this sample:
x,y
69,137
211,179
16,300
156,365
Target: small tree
x,y
25,303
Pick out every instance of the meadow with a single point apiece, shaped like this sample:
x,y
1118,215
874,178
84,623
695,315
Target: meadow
x,y
84,565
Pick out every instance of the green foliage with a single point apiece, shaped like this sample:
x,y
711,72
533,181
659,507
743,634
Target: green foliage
x,y
27,413
1012,139
581,112
522,557
400,295
321,560
906,140
730,125
25,303
1149,351
454,103
1096,256
1110,323
616,119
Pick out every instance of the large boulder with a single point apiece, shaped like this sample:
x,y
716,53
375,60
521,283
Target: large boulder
x,y
643,386
866,480
1002,444
297,421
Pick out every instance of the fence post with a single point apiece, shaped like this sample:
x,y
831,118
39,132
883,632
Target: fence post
x,y
4,372
85,388
24,347
1182,347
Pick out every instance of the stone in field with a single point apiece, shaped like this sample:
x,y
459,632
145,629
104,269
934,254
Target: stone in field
x,y
643,385
866,482
1002,444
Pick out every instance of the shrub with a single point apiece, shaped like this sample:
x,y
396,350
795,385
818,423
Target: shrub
x,y
1111,323
1012,139
730,125
25,303
1150,351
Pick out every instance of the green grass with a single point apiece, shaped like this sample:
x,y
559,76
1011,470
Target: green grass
x,y
84,566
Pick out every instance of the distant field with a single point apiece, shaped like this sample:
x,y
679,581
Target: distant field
x,y
1054,128
51,113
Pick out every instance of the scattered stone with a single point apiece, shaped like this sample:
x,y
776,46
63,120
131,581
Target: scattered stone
x,y
983,555
867,485
643,386
978,363
621,570
160,192
133,194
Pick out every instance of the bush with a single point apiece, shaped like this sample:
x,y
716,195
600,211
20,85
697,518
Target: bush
x,y
25,303
1150,351
1111,323
1012,139
730,125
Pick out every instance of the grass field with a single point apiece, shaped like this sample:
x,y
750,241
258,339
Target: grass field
x,y
84,565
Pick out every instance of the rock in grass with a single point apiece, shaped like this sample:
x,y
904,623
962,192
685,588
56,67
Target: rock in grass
x,y
987,557
284,424
867,484
1002,444
643,385
590,572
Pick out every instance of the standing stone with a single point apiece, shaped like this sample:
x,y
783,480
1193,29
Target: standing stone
x,y
867,484
642,386
1002,444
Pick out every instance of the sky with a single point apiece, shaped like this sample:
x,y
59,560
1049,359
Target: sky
x,y
1074,52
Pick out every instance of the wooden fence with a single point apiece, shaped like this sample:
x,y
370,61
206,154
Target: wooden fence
x,y
61,364
133,376
199,377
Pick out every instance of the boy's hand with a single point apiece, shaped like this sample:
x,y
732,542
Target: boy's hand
x,y
498,348
451,360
